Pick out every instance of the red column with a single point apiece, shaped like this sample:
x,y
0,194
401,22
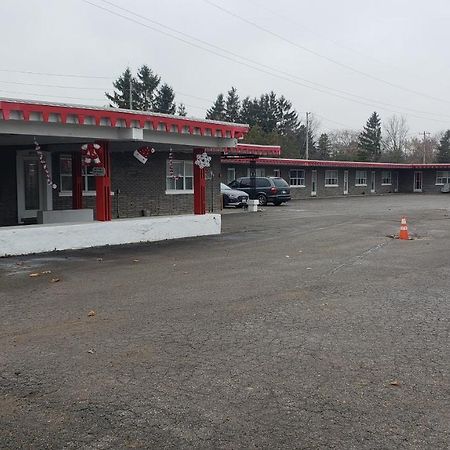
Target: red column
x,y
199,185
103,186
77,181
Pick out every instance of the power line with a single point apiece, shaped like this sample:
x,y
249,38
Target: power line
x,y
52,85
65,75
319,55
275,72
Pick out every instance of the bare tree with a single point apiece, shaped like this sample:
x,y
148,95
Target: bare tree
x,y
416,148
394,140
344,144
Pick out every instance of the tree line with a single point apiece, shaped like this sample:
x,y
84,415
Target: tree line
x,y
274,121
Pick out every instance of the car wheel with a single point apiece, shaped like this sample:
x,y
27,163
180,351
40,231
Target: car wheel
x,y
262,199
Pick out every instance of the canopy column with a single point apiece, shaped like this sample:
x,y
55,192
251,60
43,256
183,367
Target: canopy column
x,y
199,185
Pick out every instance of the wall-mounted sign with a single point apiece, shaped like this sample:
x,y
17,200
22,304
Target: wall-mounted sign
x,y
98,171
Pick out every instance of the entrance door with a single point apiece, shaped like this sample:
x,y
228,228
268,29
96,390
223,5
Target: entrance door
x,y
33,193
372,183
314,183
417,181
395,181
345,182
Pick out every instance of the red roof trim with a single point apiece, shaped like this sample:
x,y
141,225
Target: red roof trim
x,y
317,163
110,117
254,149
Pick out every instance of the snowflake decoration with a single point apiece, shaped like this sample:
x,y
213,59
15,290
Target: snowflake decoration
x,y
203,160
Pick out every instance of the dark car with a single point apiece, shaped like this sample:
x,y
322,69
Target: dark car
x,y
267,189
233,197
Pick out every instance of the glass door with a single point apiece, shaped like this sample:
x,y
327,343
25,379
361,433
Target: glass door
x,y
345,182
372,182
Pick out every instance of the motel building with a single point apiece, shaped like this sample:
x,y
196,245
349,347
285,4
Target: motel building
x,y
309,178
77,176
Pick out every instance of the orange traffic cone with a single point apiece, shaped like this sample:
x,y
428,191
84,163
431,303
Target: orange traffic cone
x,y
404,234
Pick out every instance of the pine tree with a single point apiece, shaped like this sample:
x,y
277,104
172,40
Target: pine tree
x,y
288,122
324,147
121,96
146,87
164,100
369,141
218,110
232,106
443,150
181,110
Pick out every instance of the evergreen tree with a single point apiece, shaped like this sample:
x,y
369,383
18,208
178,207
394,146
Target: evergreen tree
x,y
287,117
218,110
443,150
164,100
248,112
145,88
181,110
232,106
125,84
324,147
369,141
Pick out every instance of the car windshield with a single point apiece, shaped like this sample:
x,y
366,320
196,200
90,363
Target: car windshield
x,y
224,187
279,182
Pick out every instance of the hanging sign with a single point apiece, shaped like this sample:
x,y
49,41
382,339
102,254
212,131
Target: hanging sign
x,y
98,171
142,154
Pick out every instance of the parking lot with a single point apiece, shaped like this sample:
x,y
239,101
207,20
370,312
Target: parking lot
x,y
301,326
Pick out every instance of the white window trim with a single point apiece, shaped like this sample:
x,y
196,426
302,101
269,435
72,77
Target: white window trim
x,y
337,179
442,171
180,191
294,186
66,193
386,184
361,185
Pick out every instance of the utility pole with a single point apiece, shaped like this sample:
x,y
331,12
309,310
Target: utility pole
x,y
307,136
425,145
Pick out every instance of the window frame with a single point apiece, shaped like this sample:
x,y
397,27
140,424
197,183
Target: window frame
x,y
383,178
328,177
185,162
442,178
299,184
231,170
277,173
69,193
360,178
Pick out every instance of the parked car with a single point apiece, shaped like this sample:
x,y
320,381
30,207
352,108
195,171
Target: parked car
x,y
267,190
233,197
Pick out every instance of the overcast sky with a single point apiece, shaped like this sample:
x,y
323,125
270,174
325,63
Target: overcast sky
x,y
391,56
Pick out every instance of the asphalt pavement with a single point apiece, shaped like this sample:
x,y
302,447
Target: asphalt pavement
x,y
302,326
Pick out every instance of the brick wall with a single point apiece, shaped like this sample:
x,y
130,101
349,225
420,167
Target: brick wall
x,y
8,188
141,188
321,189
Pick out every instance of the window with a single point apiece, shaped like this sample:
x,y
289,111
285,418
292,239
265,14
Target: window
x,y
276,173
386,177
442,177
231,174
297,177
182,178
331,177
361,178
65,177
262,182
259,172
